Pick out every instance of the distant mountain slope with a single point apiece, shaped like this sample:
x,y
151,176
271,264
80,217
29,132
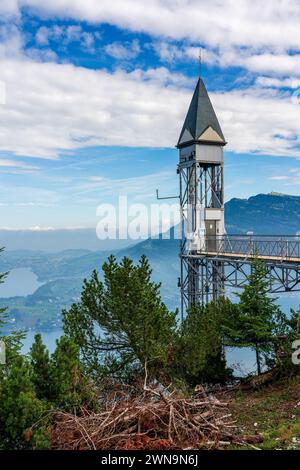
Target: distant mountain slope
x,y
264,214
63,272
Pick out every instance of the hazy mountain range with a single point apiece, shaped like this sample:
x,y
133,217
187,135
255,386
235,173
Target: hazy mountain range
x,y
62,272
264,214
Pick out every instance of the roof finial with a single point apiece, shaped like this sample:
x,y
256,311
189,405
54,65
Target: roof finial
x,y
200,62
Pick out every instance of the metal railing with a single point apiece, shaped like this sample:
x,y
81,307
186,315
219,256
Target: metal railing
x,y
281,247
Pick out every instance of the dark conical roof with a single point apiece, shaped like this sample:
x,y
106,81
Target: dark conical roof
x,y
201,117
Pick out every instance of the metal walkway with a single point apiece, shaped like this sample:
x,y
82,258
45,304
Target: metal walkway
x,y
227,260
278,249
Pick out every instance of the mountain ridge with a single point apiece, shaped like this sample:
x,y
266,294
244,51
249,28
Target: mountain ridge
x,y
264,214
62,273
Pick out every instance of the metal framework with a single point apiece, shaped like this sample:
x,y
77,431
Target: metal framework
x,y
210,259
229,264
224,260
201,186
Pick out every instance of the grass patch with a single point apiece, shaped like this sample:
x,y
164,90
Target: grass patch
x,y
273,411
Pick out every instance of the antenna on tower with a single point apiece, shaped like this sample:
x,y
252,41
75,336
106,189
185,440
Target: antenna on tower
x,y
200,62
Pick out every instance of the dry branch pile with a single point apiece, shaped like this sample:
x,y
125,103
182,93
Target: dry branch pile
x,y
156,418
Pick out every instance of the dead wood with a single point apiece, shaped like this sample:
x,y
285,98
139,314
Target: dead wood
x,y
152,418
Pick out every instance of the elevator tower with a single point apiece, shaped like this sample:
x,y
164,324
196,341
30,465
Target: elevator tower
x,y
210,258
201,173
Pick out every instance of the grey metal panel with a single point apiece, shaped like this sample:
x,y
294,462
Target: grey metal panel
x,y
202,152
209,153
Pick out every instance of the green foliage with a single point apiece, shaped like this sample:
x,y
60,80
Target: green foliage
x,y
3,315
41,366
71,387
121,323
258,320
284,346
60,379
12,341
200,350
20,408
31,386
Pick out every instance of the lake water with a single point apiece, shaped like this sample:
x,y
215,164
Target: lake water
x,y
19,282
49,339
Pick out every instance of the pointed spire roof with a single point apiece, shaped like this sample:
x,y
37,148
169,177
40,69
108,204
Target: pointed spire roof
x,y
201,123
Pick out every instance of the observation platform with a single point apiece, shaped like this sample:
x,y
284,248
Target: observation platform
x,y
276,249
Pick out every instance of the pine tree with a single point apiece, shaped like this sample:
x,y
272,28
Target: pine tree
x,y
42,370
20,408
12,342
121,323
71,387
3,315
258,318
201,354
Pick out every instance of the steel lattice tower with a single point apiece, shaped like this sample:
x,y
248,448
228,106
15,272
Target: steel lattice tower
x,y
210,259
201,170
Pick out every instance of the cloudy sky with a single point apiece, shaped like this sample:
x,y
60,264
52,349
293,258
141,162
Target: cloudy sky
x,y
93,95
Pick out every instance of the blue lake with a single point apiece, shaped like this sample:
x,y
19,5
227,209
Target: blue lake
x,y
19,282
49,339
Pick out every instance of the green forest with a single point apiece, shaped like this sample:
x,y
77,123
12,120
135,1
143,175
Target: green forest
x,y
124,354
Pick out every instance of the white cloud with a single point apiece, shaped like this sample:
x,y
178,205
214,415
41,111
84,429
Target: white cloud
x,y
292,83
11,41
17,167
9,8
38,228
279,178
256,120
88,42
41,55
53,108
253,59
35,228
56,107
97,178
282,64
231,22
172,52
42,36
18,164
33,204
128,50
66,35
163,77
169,52
233,33
293,178
73,33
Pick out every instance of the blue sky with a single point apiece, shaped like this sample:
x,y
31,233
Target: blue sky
x,y
94,95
